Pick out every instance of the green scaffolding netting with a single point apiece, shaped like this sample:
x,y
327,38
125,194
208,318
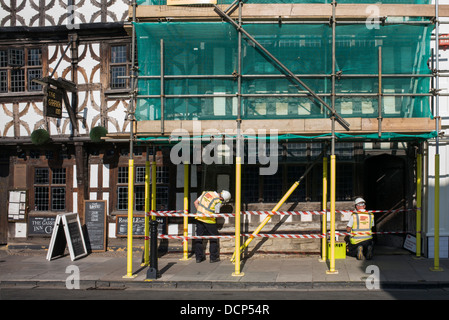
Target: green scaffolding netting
x,y
211,49
385,136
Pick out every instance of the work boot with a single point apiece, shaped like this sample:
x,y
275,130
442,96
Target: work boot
x,y
359,253
369,253
214,260
198,260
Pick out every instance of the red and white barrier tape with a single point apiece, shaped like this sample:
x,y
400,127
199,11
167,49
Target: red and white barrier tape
x,y
168,236
181,213
265,235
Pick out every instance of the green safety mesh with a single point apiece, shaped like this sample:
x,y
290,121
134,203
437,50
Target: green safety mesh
x,y
192,48
386,136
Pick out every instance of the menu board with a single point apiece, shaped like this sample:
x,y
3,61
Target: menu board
x,y
95,219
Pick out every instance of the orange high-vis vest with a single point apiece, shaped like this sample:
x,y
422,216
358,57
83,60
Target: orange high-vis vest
x,y
363,222
206,205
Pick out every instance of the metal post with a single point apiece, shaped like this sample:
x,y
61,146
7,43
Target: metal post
x,y
324,222
153,272
129,265
333,174
129,273
436,260
153,183
332,227
146,251
238,176
418,201
238,156
162,89
185,242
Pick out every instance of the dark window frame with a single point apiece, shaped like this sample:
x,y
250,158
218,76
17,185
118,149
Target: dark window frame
x,y
50,189
18,67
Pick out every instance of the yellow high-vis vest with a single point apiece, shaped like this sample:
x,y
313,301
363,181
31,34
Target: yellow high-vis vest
x,y
207,203
363,222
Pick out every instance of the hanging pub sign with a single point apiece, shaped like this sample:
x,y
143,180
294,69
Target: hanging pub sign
x,y
53,102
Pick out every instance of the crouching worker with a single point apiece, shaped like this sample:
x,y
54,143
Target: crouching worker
x,y
208,203
360,243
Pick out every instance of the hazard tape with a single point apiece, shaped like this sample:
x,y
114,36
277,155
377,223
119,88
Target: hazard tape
x,y
275,235
181,213
285,236
281,213
363,233
167,236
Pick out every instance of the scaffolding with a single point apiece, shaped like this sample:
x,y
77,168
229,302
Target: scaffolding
x,y
161,92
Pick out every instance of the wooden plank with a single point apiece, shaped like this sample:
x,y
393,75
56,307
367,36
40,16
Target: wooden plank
x,y
298,11
284,126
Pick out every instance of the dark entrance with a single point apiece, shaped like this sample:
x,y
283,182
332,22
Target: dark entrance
x,y
4,177
384,189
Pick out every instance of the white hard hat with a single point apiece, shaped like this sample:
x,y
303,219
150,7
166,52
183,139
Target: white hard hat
x,y
359,201
225,195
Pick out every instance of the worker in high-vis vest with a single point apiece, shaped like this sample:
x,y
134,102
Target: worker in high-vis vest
x,y
360,226
208,203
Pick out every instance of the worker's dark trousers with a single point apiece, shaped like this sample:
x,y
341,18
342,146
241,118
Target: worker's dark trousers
x,y
352,248
206,229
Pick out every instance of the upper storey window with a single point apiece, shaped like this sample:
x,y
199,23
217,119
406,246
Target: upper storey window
x,y
18,67
119,67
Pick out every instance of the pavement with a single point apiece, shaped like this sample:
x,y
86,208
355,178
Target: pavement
x,y
22,266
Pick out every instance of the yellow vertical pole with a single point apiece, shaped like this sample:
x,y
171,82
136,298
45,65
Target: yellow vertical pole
x,y
153,186
237,209
332,195
324,223
332,211
436,258
129,264
186,210
418,203
238,159
146,260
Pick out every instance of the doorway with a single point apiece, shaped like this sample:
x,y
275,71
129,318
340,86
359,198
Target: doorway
x,y
384,189
4,179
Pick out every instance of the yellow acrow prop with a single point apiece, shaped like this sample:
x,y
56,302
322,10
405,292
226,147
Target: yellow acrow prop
x,y
265,221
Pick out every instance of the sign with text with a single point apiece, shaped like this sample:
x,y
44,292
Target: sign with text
x,y
410,243
53,103
95,219
67,231
40,225
138,225
17,205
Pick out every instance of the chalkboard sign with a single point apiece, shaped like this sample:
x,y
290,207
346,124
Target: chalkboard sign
x,y
40,225
95,219
138,225
67,231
